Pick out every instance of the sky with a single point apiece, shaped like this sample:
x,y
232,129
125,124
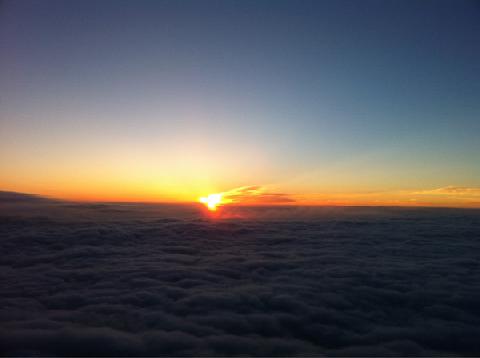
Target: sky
x,y
312,102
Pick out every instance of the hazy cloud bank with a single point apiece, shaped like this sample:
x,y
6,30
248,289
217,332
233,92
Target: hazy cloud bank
x,y
256,194
452,190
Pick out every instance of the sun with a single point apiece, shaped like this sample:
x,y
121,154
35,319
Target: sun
x,y
211,201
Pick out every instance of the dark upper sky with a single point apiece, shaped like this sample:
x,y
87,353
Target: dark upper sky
x,y
306,95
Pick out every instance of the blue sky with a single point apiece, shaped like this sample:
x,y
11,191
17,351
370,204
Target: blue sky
x,y
309,96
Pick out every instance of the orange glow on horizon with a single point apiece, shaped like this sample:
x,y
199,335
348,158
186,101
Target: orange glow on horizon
x,y
160,190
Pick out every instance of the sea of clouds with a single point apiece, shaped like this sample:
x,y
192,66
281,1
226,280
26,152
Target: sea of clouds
x,y
132,279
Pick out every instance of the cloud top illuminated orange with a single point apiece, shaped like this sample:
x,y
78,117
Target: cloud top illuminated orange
x,y
244,195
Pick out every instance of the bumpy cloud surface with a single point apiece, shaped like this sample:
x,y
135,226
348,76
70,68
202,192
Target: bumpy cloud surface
x,y
116,280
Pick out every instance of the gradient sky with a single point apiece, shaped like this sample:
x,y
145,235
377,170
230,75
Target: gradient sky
x,y
326,101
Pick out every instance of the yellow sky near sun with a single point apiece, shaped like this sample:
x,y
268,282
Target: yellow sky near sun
x,y
180,178
191,169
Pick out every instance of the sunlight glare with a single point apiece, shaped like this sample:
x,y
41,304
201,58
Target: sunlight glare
x,y
211,201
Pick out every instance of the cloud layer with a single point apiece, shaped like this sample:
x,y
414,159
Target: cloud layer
x,y
115,280
255,194
452,190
